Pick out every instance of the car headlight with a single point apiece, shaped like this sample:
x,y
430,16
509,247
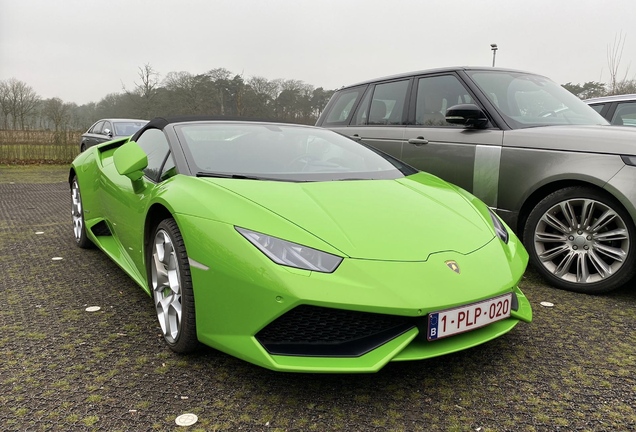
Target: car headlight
x,y
500,228
291,254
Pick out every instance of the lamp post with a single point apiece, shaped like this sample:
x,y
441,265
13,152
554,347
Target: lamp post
x,y
493,47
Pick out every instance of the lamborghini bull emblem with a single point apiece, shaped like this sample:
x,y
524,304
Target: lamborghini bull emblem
x,y
453,266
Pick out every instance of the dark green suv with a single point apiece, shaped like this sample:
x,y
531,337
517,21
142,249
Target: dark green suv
x,y
550,165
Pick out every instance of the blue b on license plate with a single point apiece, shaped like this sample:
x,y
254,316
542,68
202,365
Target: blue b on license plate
x,y
448,322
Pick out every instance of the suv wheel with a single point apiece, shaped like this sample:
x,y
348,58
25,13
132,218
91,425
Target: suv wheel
x,y
581,240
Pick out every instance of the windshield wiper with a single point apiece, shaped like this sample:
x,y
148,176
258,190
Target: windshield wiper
x,y
238,176
230,176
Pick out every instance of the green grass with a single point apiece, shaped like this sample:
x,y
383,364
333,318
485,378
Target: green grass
x,y
43,173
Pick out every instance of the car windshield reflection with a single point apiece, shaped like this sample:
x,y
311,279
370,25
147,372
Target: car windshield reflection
x,y
526,100
127,128
282,153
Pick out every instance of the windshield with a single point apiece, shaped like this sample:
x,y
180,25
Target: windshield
x,y
128,128
265,151
526,100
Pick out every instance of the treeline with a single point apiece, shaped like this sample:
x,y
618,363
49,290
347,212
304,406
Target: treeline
x,y
593,89
216,92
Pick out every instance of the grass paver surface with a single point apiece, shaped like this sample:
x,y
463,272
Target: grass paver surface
x,y
65,369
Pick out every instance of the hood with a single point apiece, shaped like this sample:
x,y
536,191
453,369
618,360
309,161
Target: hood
x,y
595,139
394,220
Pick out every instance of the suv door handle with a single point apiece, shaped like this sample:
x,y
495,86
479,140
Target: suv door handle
x,y
356,137
419,141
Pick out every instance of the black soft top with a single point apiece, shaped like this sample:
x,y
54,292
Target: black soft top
x,y
161,122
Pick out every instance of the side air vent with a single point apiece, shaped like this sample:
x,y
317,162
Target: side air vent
x,y
101,229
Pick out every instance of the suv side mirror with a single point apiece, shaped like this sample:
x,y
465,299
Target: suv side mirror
x,y
468,115
108,133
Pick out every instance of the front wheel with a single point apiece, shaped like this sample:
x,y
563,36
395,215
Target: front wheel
x,y
171,285
581,240
77,213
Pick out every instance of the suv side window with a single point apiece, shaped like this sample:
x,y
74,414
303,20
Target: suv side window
x,y
362,115
598,107
625,114
343,107
387,104
155,144
435,95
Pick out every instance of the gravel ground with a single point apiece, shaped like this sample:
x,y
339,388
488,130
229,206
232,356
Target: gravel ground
x,y
65,369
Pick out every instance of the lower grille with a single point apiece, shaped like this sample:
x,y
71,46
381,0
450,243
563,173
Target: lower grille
x,y
325,332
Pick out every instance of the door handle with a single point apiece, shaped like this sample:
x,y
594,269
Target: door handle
x,y
356,137
419,141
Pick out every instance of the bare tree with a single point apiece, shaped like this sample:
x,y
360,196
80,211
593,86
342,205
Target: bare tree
x,y
5,106
19,100
145,91
614,56
58,112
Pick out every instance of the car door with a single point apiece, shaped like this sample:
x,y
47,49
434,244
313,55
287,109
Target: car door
x,y
93,134
107,132
125,205
380,117
467,157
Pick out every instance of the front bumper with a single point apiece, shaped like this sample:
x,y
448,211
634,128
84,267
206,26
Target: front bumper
x,y
240,295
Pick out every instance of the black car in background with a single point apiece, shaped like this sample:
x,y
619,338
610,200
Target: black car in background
x,y
106,129
618,110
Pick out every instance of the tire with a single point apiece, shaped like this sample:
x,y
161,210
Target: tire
x,y
82,148
581,240
171,284
77,212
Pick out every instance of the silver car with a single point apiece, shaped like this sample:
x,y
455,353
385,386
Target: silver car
x,y
551,166
618,110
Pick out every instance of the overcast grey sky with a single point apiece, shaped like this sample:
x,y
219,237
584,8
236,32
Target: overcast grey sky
x,y
81,50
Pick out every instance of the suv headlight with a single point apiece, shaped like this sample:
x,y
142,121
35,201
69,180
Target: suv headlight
x,y
500,228
291,254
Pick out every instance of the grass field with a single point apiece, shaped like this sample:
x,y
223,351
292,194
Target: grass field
x,y
42,173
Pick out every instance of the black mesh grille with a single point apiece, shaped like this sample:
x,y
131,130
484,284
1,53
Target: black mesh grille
x,y
318,331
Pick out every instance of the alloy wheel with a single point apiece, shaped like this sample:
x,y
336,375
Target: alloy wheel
x,y
76,211
166,285
581,240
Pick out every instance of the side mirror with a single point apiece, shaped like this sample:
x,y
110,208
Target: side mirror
x,y
108,133
130,160
468,115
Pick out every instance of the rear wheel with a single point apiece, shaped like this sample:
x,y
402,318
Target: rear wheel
x,y
77,212
171,285
581,240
